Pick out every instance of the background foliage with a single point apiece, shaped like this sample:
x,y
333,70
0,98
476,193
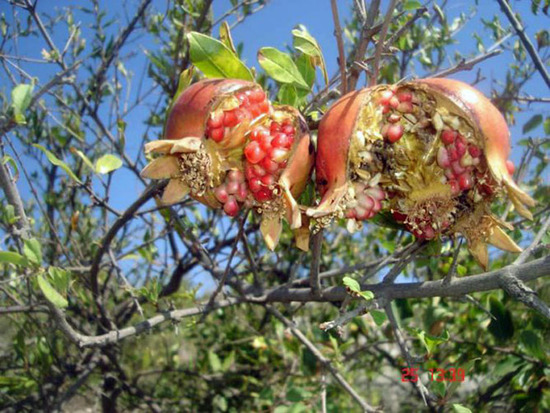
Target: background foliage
x,y
88,254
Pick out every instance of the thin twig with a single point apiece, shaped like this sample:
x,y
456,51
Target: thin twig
x,y
316,249
223,279
380,43
467,64
340,43
525,40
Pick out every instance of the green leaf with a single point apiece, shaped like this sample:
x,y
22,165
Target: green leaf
x,y
306,43
458,408
378,316
281,67
32,251
107,163
287,95
367,295
225,37
352,284
439,388
51,294
412,5
547,126
532,123
215,59
214,360
84,158
532,343
60,278
57,162
501,326
10,257
8,159
430,342
307,70
21,98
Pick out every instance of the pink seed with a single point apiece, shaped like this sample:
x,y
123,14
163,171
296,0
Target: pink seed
x,y
268,180
394,118
386,109
269,165
361,213
275,127
235,175
258,134
455,189
232,187
231,207
221,194
510,167
216,120
457,168
465,181
265,143
217,134
289,129
460,147
395,132
278,155
242,192
257,95
394,102
350,213
263,195
404,97
255,184
249,171
428,232
474,151
259,171
376,193
443,158
253,152
281,140
405,107
365,201
448,136
230,119
385,97
453,155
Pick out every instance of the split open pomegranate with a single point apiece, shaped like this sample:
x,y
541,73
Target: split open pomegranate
x,y
433,152
226,146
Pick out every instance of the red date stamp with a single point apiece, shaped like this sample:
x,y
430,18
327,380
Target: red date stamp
x,y
410,374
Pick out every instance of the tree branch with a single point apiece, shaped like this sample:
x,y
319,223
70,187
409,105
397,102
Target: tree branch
x,y
525,40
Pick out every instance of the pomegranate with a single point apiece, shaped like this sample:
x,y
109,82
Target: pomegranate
x,y
227,147
432,152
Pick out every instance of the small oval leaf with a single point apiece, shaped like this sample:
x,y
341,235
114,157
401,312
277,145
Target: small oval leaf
x,y
280,67
57,162
107,163
51,294
215,59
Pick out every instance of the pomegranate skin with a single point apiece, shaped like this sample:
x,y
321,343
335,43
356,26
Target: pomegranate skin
x,y
189,113
439,174
333,145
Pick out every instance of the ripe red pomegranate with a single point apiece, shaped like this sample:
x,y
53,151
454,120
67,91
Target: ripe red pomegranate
x,y
433,152
226,146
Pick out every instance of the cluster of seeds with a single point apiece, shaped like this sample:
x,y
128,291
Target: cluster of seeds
x,y
367,202
252,103
458,159
266,156
232,192
394,105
